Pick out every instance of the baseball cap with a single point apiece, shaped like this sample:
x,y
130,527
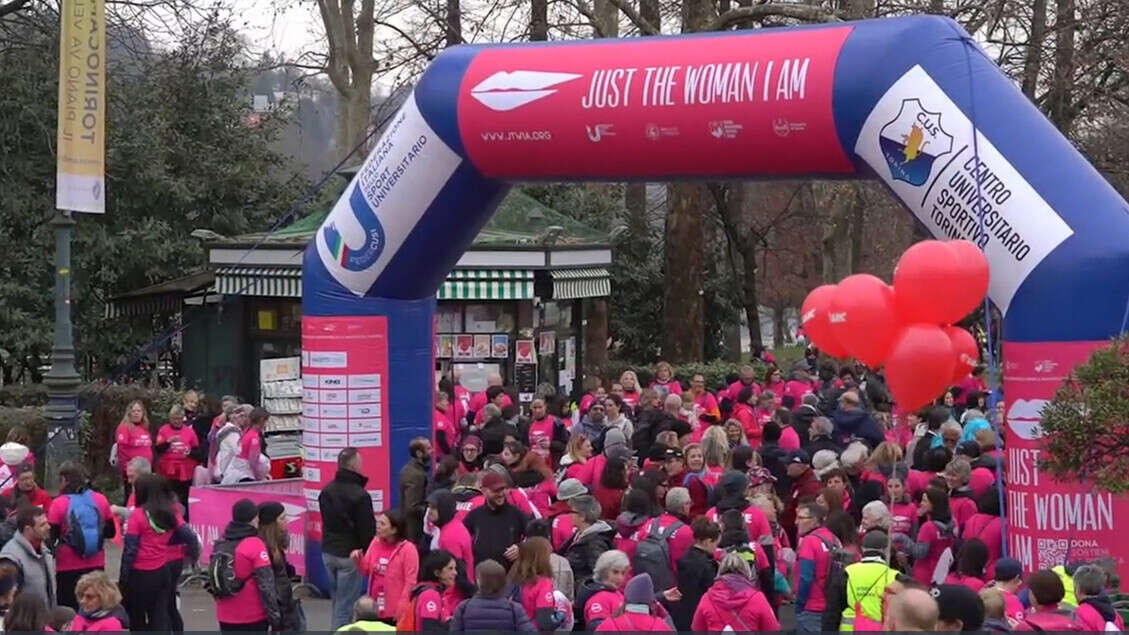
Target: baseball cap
x,y
760,475
492,480
673,453
1008,569
798,456
958,602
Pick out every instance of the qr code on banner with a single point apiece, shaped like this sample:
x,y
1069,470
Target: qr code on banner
x,y
1052,552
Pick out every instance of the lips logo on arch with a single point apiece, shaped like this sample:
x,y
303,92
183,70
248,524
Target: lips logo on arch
x,y
506,90
1023,417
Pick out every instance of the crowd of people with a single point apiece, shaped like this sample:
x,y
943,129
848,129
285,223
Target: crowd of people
x,y
799,499
668,508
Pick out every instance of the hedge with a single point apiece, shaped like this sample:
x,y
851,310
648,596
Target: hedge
x,y
714,372
102,406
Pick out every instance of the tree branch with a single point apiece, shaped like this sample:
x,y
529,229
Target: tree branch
x,y
738,15
428,55
12,6
645,27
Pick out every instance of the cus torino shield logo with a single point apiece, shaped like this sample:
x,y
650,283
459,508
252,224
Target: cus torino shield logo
x,y
913,141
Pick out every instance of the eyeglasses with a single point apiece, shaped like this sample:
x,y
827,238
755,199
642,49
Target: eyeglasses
x,y
803,518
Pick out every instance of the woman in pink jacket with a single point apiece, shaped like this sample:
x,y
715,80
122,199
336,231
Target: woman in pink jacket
x,y
391,564
734,603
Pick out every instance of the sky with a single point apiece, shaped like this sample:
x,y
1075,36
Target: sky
x,y
281,26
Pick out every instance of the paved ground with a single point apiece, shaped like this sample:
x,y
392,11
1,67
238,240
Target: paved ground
x,y
199,609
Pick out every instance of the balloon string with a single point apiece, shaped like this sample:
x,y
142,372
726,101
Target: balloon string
x,y
993,395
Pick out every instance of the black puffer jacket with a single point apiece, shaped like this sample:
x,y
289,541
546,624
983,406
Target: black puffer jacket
x,y
491,613
348,522
586,546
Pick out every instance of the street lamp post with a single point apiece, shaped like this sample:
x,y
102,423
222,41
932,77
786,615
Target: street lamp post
x,y
62,380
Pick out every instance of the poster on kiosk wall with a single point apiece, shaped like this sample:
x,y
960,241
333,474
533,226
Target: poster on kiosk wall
x,y
345,378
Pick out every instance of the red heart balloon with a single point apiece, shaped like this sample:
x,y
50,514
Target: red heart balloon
x,y
971,275
920,365
813,318
863,319
966,352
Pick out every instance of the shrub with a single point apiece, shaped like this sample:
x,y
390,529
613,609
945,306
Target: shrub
x,y
1085,428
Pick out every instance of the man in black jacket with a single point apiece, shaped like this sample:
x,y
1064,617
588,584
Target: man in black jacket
x,y
497,527
413,487
348,525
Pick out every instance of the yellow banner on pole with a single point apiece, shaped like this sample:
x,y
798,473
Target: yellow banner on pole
x,y
80,173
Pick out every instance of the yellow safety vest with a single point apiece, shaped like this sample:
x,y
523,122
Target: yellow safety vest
x,y
366,625
1067,584
866,588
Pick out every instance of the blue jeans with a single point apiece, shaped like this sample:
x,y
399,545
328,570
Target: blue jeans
x,y
346,585
809,622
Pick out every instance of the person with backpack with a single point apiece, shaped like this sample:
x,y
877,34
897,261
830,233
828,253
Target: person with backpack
x,y
813,566
697,570
489,609
661,542
733,602
640,612
27,551
80,519
152,530
425,610
936,537
1095,610
240,576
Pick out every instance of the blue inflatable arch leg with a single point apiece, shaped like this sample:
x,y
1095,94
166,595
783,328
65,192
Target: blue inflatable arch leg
x,y
910,101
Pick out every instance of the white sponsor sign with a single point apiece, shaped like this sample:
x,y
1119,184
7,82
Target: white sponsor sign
x,y
397,183
921,144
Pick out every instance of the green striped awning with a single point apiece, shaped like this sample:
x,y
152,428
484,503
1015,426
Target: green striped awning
x,y
277,282
587,282
487,284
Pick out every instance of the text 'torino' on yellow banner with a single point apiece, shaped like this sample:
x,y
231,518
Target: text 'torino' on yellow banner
x,y
81,169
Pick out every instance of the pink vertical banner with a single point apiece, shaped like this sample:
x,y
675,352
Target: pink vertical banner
x,y
1051,522
344,404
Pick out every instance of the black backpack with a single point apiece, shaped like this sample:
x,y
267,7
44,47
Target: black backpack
x,y
652,555
222,581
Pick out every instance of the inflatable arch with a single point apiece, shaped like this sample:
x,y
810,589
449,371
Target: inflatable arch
x,y
895,99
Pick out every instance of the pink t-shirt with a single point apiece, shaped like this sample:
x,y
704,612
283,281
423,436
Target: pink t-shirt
x,y
814,549
245,607
67,558
541,436
756,522
563,529
602,605
379,553
175,463
929,534
989,529
966,580
789,439
133,440
430,606
537,595
250,444
1013,608
153,548
904,514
